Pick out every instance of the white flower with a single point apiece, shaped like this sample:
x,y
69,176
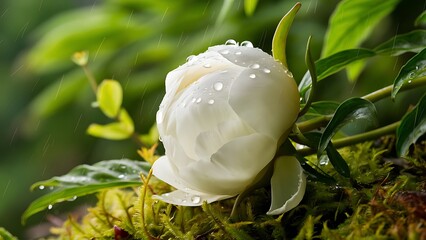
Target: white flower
x,y
221,119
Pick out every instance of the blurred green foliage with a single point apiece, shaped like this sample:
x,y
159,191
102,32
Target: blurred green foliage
x,y
45,99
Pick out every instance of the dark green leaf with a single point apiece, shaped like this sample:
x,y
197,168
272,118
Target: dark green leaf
x,y
353,21
338,61
414,41
87,179
337,161
412,126
305,86
349,111
280,36
415,68
421,20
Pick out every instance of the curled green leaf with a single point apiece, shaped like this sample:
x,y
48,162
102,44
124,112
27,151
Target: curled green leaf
x,y
110,96
412,126
280,36
414,69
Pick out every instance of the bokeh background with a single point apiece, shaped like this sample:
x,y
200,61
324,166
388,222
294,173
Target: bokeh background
x,y
45,100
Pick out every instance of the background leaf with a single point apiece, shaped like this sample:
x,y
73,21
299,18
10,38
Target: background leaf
x,y
349,111
250,6
412,126
421,20
110,96
415,68
86,179
414,41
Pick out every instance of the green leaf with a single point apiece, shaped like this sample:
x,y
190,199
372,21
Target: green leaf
x,y
412,126
87,179
314,174
151,137
110,97
349,111
353,21
322,108
421,20
5,235
250,6
338,61
414,41
337,161
114,131
280,36
305,86
309,61
415,68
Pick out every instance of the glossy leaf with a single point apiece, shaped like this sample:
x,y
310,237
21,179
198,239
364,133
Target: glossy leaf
x,y
349,111
414,41
412,126
280,36
413,69
352,22
421,20
338,61
322,108
337,161
110,97
305,86
250,6
114,131
87,179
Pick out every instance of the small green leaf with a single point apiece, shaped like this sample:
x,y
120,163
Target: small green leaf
x,y
421,20
314,174
305,86
280,36
110,97
250,6
309,61
414,41
353,21
114,131
151,137
5,235
337,161
412,126
338,61
415,68
88,179
349,111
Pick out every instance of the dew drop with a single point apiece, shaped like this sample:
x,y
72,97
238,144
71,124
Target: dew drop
x,y
231,42
247,44
123,167
211,101
193,100
266,70
160,139
225,52
198,100
195,199
252,75
238,53
121,176
409,81
72,199
254,66
50,206
190,58
218,86
41,187
290,74
166,194
411,75
207,65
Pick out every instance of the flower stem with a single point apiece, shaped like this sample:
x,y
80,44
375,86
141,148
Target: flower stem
x,y
91,78
386,91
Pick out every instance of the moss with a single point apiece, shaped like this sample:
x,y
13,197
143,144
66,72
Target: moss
x,y
382,200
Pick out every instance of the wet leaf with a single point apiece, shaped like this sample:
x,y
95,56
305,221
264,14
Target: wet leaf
x,y
414,41
305,86
349,111
114,131
250,6
110,96
338,61
415,68
412,126
322,108
88,179
280,36
337,161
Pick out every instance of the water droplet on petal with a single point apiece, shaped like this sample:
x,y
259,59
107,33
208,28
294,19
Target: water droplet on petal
x,y
225,52
207,65
252,75
218,86
290,74
41,187
50,206
195,199
231,42
254,66
190,58
266,70
211,101
238,53
247,44
198,100
160,139
193,100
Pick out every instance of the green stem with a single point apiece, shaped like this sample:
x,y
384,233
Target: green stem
x,y
347,141
386,91
91,78
313,124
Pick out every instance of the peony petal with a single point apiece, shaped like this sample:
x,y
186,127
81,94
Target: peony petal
x,y
182,198
288,185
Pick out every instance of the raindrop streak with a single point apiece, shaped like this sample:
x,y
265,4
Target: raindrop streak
x,y
247,44
218,86
211,101
195,199
231,42
266,70
252,75
254,66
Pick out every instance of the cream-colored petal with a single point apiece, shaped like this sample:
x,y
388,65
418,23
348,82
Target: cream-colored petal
x,y
288,184
183,198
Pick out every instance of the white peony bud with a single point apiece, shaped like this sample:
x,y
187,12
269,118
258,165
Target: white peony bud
x,y
220,121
